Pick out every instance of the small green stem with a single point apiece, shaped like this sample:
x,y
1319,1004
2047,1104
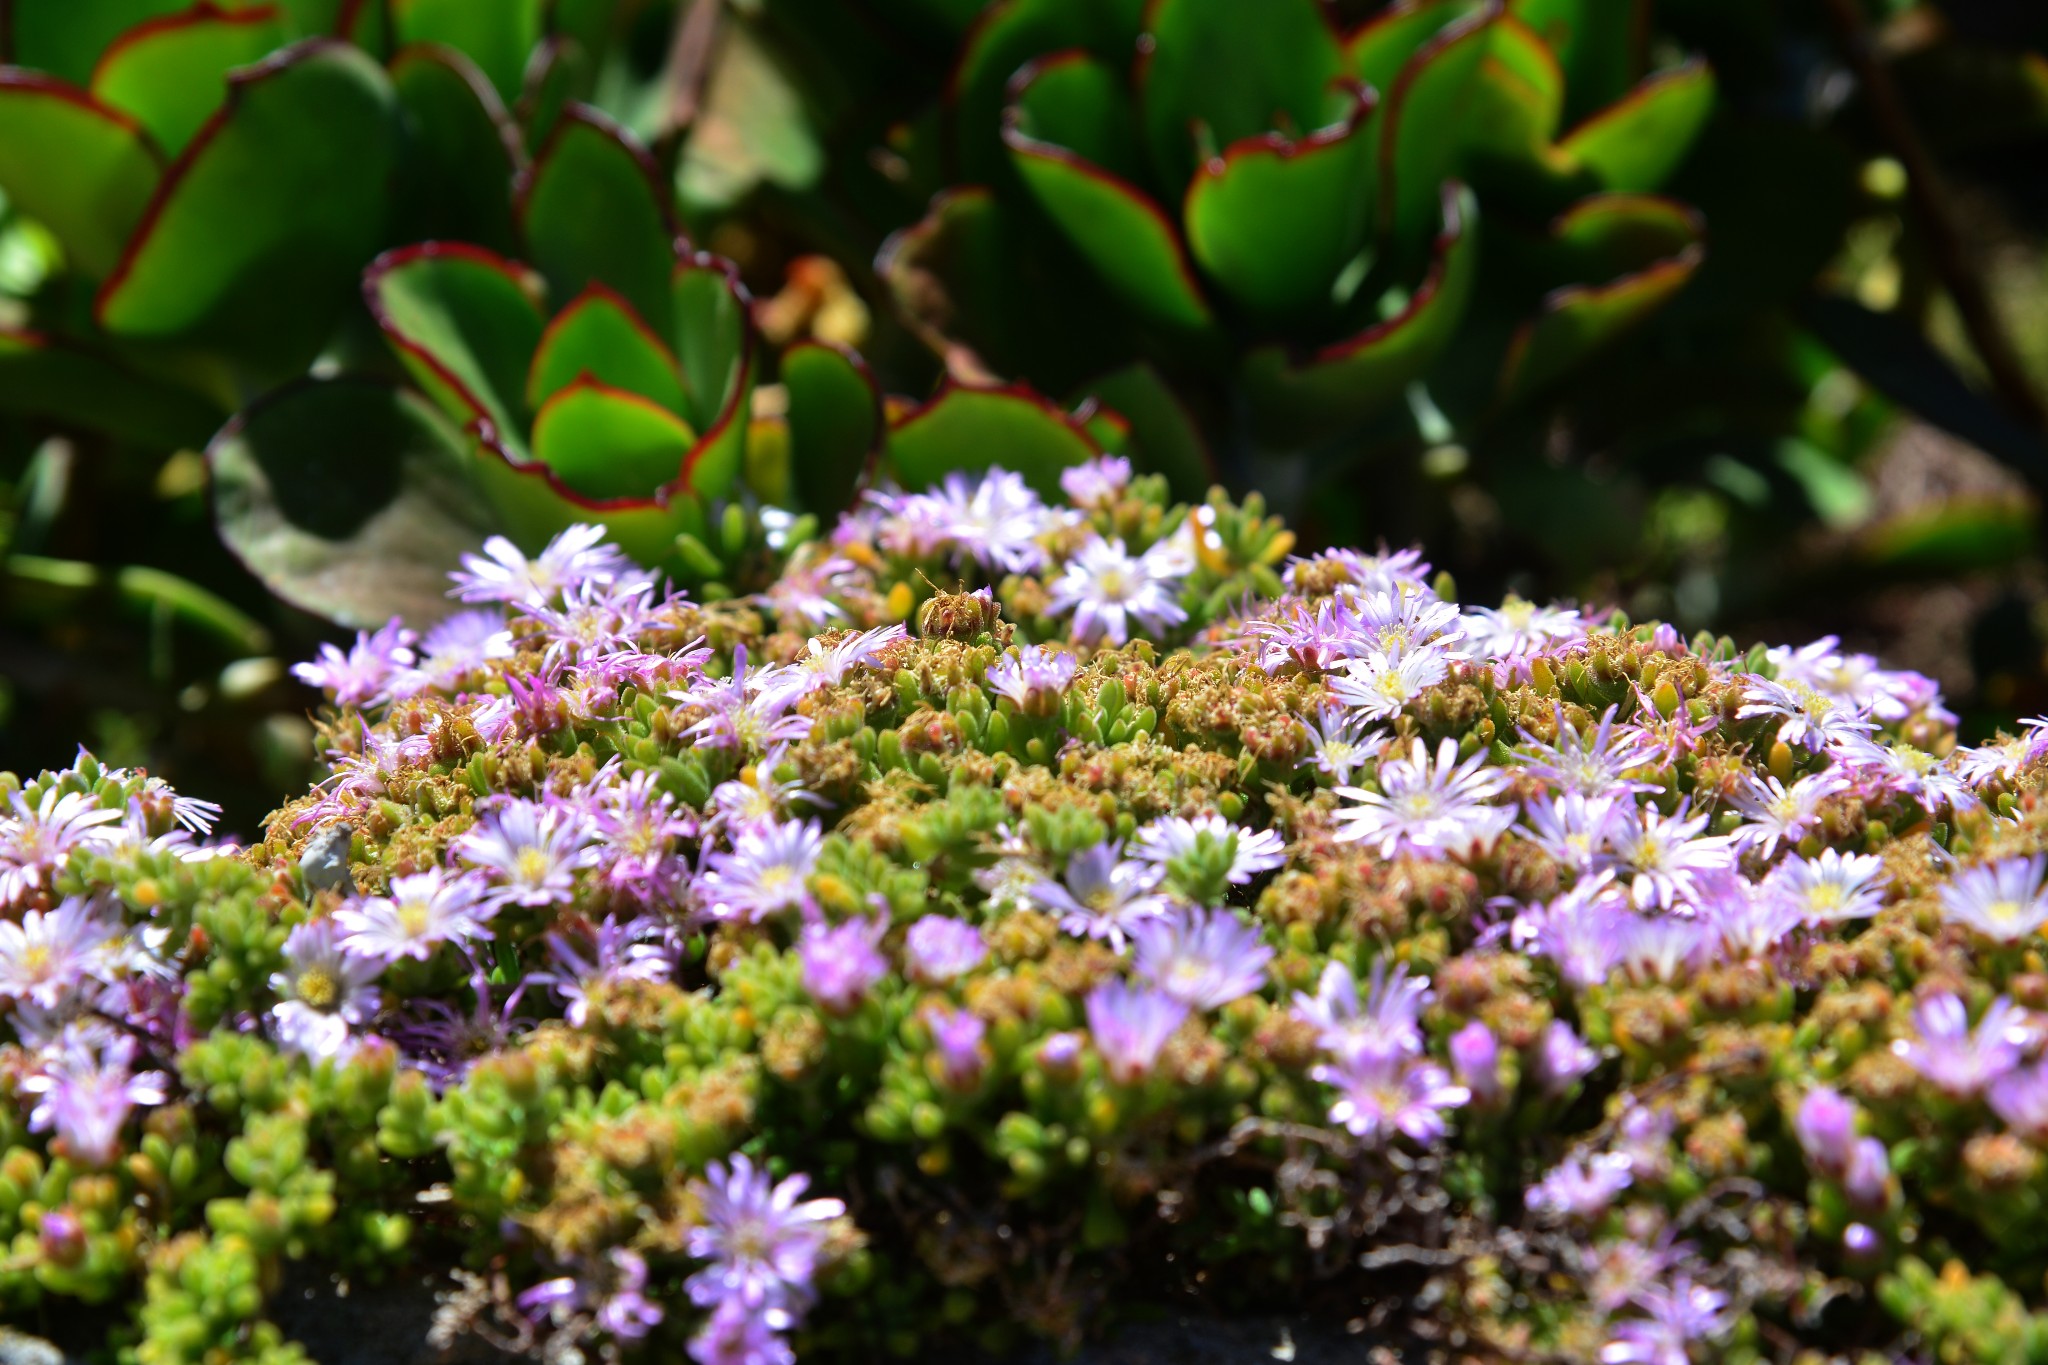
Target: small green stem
x,y
150,590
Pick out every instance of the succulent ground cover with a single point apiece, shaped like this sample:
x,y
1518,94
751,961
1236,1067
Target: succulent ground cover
x,y
1026,909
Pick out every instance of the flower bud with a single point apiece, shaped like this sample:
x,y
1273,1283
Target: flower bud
x,y
1826,1128
1475,1054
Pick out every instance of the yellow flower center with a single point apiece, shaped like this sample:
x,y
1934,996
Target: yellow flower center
x,y
317,988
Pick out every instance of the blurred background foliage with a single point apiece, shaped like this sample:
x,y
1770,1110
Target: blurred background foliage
x,y
1733,312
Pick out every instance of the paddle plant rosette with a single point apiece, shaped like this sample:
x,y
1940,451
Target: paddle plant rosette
x,y
1017,911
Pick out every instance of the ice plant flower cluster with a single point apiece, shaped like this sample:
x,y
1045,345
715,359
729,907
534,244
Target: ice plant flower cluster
x,y
1029,900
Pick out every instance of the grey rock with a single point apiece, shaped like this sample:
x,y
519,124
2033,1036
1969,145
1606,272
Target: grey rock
x,y
324,864
19,1348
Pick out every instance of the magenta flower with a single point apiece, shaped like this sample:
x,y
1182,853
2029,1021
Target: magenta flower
x,y
957,1042
1428,810
1312,637
762,1244
1475,1059
1562,1060
1203,958
1035,678
1825,1125
637,826
575,557
85,1094
1096,483
735,1334
422,912
939,948
842,962
2021,1099
764,874
531,851
738,715
1381,1094
1675,1318
1952,1057
1130,1024
1109,591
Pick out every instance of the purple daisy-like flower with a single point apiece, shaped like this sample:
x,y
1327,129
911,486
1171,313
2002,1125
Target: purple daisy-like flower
x,y
1380,686
1662,948
1174,836
365,674
324,993
1035,678
822,665
1203,958
1831,889
735,1334
1825,1125
2001,900
1519,629
1389,571
938,948
1775,813
445,1041
1428,810
765,874
454,651
1675,1317
2004,759
1808,719
1096,483
1580,1187
738,716
48,955
1109,590
1906,770
2021,1099
1340,742
1475,1059
84,1093
636,949
592,620
1595,762
1130,1024
996,520
1406,621
957,1043
637,827
575,557
762,1238
530,850
1389,1022
1104,895
1381,1094
1662,740
1956,1059
1574,828
1664,858
36,840
422,912
842,962
1312,637
1562,1060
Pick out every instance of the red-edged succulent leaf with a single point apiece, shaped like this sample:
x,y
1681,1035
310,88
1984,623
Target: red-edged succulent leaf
x,y
1376,50
1109,221
465,323
1006,36
1516,104
462,151
592,207
1427,99
1636,144
972,429
610,444
1355,379
835,423
1614,234
348,497
171,72
1579,319
1274,222
1163,438
534,505
1598,43
65,383
552,76
83,169
497,36
598,337
714,346
1213,75
64,38
254,233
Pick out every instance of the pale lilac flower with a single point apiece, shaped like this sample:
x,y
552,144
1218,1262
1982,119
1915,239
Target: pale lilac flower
x,y
1427,810
422,912
1753,920
938,948
575,557
1825,1125
1340,742
1808,718
1776,813
1104,895
765,873
636,949
1475,1057
735,1334
444,1041
49,954
1677,1317
530,850
86,1092
2002,760
1905,770
592,620
1109,591
995,521
1868,1179
365,674
1573,828
842,962
1660,740
1955,1059
957,1043
1562,1060
762,1244
1833,888
1380,1094
1593,763
1035,678
323,992
1406,621
738,715
1203,958
1518,629
1861,1242
762,798
1172,836
1379,687
1311,637
1389,571
612,1291
1095,484
1130,1024
1580,1187
807,590
1388,1023
1665,858
458,648
1889,695
637,826
2001,900
37,840
1662,948
2021,1099
1581,931
822,665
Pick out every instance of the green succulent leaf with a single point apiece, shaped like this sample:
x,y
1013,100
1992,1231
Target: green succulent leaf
x,y
835,423
273,208
497,36
1359,377
608,444
1274,222
1378,49
1081,103
1427,99
1123,234
598,337
462,151
83,169
1009,35
1596,45
66,37
62,382
464,322
1516,106
1613,234
971,429
1636,144
715,348
535,504
592,208
349,498
1163,437
1211,76
170,73
554,76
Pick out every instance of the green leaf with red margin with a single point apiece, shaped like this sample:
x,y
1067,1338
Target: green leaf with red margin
x,y
608,443
714,346
1008,35
1119,231
462,151
65,38
1607,235
465,323
1377,49
1517,103
1215,69
60,382
171,73
348,497
1417,153
273,208
970,430
1163,438
1355,379
1579,319
1274,222
82,169
1636,144
598,337
498,36
553,74
592,207
1080,103
1598,43
535,505
835,423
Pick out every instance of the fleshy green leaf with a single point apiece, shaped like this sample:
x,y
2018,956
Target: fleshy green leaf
x,y
84,170
1516,105
1215,75
607,443
61,382
1107,219
598,337
1596,44
715,349
462,151
349,498
534,504
1429,97
465,323
497,35
1363,375
592,208
1275,222
835,422
171,73
1636,144
1378,49
1009,34
1163,438
66,37
973,429
250,244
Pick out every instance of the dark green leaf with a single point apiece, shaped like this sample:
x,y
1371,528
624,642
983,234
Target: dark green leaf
x,y
715,348
66,37
497,35
975,429
171,73
349,498
1428,98
63,383
1083,104
1009,34
462,151
465,323
592,208
835,422
82,169
1376,50
598,337
1596,42
608,444
1636,144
